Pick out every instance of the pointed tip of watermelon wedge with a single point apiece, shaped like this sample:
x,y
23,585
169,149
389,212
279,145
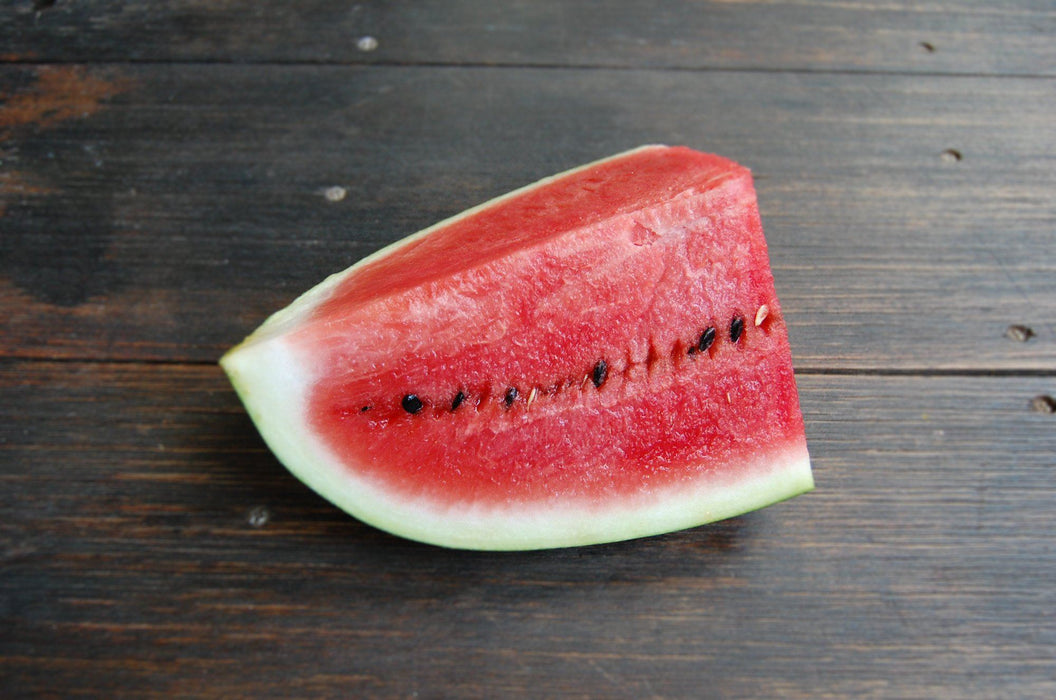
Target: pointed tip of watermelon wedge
x,y
278,370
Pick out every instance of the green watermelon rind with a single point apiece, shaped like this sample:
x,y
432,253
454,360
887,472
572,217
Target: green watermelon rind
x,y
273,384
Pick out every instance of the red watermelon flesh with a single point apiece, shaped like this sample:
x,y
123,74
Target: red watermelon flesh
x,y
595,357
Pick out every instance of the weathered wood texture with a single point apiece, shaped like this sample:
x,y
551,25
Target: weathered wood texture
x,y
152,545
163,179
932,36
166,211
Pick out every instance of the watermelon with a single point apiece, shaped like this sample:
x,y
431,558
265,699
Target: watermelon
x,y
595,357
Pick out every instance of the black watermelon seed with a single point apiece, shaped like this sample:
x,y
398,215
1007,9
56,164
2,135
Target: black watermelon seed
x,y
511,396
412,404
459,398
736,329
601,371
706,339
364,409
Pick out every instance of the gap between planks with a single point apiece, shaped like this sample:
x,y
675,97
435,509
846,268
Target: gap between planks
x,y
482,65
799,370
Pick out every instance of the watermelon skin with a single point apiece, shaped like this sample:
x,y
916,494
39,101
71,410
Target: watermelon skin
x,y
496,322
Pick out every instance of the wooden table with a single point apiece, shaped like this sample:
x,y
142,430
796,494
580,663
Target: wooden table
x,y
164,170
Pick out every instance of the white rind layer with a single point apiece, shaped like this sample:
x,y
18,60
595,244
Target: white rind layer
x,y
273,385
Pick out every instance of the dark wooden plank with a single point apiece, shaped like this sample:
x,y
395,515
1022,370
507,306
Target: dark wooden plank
x,y
152,547
159,212
932,36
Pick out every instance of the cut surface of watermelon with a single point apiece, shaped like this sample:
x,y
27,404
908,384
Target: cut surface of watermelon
x,y
595,357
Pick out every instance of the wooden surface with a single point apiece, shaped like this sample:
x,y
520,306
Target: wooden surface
x,y
163,179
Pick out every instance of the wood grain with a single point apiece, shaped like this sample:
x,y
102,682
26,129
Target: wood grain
x,y
164,170
151,544
1006,38
187,203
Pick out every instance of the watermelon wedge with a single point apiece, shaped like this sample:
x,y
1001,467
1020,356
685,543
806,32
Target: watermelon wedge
x,y
595,357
